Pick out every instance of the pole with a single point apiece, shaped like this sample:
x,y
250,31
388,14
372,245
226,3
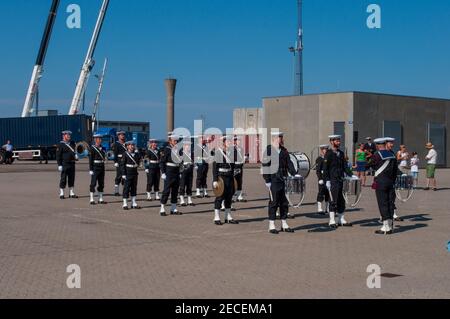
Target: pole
x,y
297,51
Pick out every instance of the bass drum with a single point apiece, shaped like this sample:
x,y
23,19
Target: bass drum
x,y
295,191
302,164
404,187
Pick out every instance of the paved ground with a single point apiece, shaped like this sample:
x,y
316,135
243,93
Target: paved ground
x,y
142,255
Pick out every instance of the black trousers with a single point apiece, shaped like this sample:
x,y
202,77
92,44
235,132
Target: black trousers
x,y
202,176
386,202
187,178
228,193
118,179
239,178
98,179
337,201
171,186
278,200
130,186
67,176
153,179
323,194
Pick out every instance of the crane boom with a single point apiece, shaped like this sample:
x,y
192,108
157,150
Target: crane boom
x,y
88,62
101,79
39,66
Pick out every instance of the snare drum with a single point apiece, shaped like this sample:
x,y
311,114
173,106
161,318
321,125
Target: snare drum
x,y
404,187
295,190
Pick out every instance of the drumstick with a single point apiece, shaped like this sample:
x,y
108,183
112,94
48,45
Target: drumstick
x,y
271,196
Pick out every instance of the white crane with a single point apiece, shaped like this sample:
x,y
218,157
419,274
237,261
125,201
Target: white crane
x,y
89,62
101,79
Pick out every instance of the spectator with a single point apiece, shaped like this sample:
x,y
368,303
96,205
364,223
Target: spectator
x,y
431,166
415,168
8,152
371,149
361,163
402,158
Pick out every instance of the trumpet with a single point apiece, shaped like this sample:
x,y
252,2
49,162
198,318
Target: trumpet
x,y
82,150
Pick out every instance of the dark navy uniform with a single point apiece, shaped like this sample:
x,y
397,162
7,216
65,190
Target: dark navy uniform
x,y
187,174
335,168
170,166
384,183
129,167
223,166
154,172
119,150
202,166
322,194
239,161
66,157
97,159
276,176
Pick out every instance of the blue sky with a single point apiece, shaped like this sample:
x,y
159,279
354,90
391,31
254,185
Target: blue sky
x,y
226,54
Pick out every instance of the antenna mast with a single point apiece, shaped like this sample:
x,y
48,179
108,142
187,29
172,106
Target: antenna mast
x,y
298,52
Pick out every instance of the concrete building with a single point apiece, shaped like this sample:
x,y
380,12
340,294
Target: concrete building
x,y
308,120
247,122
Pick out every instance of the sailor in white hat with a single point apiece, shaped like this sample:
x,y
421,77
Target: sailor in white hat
x,y
276,167
323,194
129,165
239,162
97,159
119,148
171,160
202,158
187,173
66,156
386,171
152,169
335,168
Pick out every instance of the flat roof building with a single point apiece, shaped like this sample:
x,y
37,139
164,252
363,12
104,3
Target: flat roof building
x,y
308,120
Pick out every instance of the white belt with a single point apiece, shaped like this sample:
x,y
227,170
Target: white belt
x,y
132,166
239,163
187,164
99,162
120,156
153,162
172,165
224,170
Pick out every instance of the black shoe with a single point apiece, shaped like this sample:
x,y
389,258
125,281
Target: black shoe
x,y
274,231
73,196
93,203
333,226
149,200
346,225
62,197
163,214
233,209
290,216
177,213
184,205
125,208
379,232
399,219
233,222
135,207
287,230
117,195
191,204
102,203
426,189
218,223
207,196
434,189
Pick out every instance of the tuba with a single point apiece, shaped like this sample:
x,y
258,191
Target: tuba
x,y
82,150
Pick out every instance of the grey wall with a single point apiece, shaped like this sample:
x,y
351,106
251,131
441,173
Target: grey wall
x,y
413,113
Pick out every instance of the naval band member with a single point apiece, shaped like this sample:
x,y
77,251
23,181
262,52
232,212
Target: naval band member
x,y
223,167
384,163
322,195
119,148
239,161
202,167
334,170
66,156
187,174
276,168
153,171
129,165
97,159
170,169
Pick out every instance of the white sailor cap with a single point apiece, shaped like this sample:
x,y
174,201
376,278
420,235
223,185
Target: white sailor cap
x,y
98,135
380,140
334,137
324,146
390,139
152,140
368,138
66,132
277,134
174,137
120,133
130,143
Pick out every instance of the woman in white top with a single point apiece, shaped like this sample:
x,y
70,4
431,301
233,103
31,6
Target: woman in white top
x,y
415,168
402,158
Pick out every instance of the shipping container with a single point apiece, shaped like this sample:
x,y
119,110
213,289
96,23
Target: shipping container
x,y
33,134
